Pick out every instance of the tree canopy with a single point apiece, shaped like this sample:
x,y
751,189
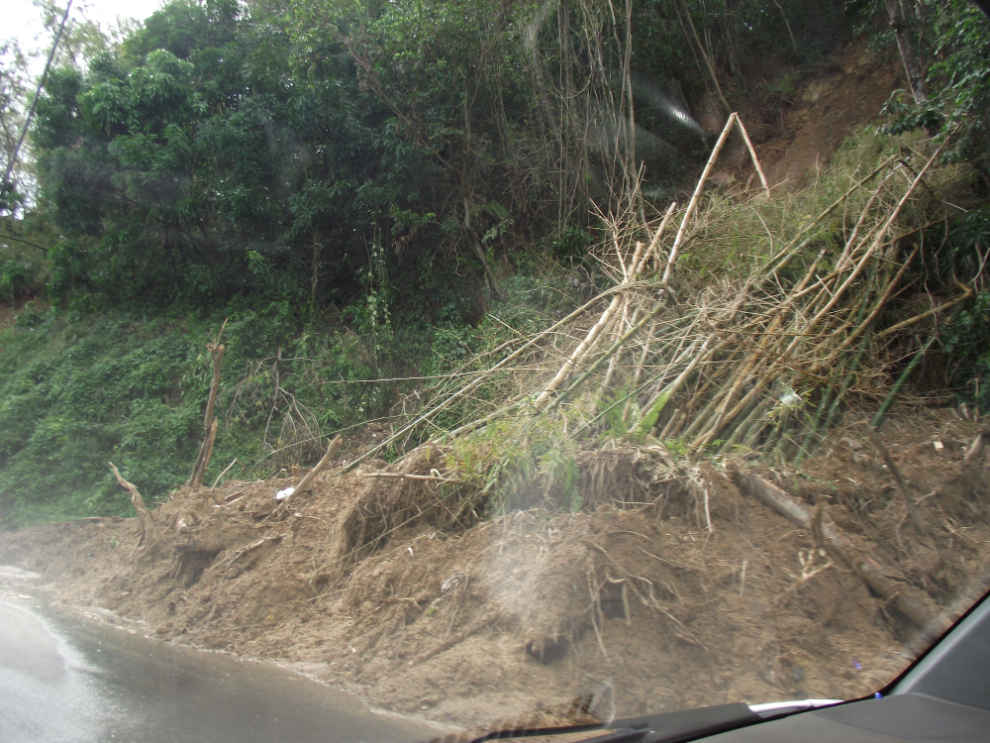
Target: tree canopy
x,y
323,151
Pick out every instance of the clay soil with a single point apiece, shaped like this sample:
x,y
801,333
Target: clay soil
x,y
637,600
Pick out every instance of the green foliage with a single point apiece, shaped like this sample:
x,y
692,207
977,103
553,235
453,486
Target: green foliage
x,y
331,180
75,397
78,392
964,244
957,40
24,245
13,90
649,419
967,343
625,419
362,151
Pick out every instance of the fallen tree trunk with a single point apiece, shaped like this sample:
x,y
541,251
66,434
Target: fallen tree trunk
x,y
908,601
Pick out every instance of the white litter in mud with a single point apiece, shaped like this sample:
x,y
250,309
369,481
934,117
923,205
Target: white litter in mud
x,y
281,495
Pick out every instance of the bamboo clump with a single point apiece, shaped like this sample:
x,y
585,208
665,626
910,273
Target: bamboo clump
x,y
763,363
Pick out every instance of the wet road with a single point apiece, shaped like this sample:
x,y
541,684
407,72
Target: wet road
x,y
69,680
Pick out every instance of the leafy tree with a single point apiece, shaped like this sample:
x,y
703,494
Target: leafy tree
x,y
958,80
13,91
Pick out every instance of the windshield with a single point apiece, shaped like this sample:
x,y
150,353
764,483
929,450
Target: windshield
x,y
504,365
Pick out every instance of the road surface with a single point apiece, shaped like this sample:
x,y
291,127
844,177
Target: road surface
x,y
66,680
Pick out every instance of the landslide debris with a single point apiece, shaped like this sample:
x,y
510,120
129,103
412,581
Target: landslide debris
x,y
367,583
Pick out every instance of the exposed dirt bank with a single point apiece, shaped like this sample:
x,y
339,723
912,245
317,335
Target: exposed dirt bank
x,y
357,589
798,129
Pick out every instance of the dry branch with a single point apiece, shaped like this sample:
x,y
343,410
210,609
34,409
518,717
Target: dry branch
x,y
912,509
905,598
209,421
144,516
404,476
752,154
227,469
312,474
764,362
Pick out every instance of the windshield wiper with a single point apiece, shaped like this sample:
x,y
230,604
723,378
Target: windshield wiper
x,y
669,727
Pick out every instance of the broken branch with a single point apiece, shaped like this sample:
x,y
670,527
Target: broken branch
x,y
209,422
311,475
912,509
144,516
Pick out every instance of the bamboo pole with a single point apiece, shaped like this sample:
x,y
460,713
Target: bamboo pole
x,y
934,311
752,154
901,381
786,253
463,391
613,349
693,204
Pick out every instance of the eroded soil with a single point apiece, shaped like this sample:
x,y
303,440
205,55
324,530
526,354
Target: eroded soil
x,y
529,607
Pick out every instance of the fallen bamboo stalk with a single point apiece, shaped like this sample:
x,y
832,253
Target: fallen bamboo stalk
x,y
740,431
785,253
637,376
770,337
655,242
700,420
613,349
601,328
668,391
933,311
901,381
582,348
878,307
693,204
906,599
463,391
752,154
669,427
851,241
703,354
811,437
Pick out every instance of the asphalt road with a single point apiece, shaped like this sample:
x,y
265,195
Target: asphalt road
x,y
66,680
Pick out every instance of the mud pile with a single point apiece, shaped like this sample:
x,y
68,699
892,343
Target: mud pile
x,y
365,585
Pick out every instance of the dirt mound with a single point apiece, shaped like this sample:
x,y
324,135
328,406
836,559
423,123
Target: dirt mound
x,y
469,621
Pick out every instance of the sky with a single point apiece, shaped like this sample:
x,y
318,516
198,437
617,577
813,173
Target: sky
x,y
22,20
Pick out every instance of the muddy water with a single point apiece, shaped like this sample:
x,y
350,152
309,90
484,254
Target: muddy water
x,y
66,679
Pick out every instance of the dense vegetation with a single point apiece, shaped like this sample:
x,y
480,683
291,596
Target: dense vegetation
x,y
353,185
